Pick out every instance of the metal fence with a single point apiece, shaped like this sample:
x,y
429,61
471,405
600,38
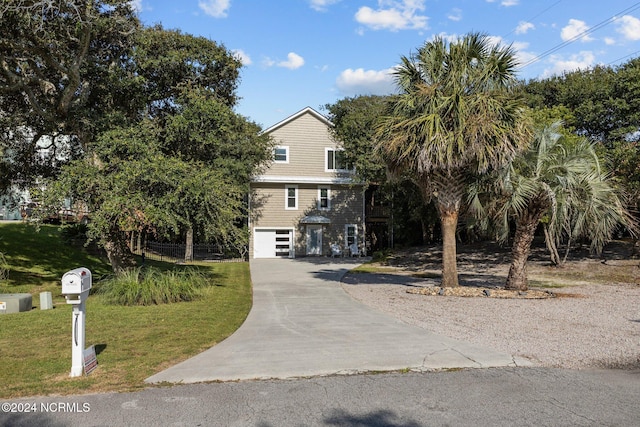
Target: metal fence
x,y
175,252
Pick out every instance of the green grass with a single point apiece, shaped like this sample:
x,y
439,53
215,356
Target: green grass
x,y
543,284
427,275
37,260
132,343
372,267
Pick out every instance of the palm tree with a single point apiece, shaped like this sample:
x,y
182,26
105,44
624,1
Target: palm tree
x,y
455,117
564,180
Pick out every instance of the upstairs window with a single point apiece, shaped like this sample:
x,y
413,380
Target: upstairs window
x,y
281,154
334,160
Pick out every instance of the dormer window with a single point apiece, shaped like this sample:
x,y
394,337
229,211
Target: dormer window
x,y
281,154
334,160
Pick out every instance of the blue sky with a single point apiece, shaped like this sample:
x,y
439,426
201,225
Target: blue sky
x,y
299,53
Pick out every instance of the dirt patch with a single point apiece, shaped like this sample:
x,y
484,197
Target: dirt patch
x,y
485,267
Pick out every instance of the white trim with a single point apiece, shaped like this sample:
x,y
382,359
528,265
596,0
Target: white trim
x,y
298,114
265,227
286,197
320,188
302,180
249,211
286,149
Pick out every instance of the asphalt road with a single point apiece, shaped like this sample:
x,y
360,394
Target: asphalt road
x,y
473,397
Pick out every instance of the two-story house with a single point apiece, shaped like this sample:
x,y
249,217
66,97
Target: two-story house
x,y
306,202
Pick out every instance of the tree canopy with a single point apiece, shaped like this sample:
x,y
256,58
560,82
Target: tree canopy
x,y
148,111
59,65
602,104
354,123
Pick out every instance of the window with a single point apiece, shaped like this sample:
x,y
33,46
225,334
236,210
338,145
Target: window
x,y
324,198
281,154
351,234
291,197
334,160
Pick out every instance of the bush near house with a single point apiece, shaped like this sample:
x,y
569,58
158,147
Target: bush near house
x,y
150,286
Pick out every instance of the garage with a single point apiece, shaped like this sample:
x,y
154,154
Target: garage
x,y
273,243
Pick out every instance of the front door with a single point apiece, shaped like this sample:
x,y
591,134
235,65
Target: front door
x,y
314,240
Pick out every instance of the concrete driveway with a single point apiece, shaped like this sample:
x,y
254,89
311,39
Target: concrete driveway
x,y
303,324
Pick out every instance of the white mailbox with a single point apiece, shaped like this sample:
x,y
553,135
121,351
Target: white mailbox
x,y
75,288
76,284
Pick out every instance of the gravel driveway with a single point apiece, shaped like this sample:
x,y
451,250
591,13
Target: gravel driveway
x,y
590,325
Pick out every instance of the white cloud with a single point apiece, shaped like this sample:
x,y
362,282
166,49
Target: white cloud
x,y
450,38
522,55
268,62
136,5
506,3
366,82
242,56
629,27
524,26
495,40
609,41
215,8
573,31
578,61
321,5
293,61
455,14
393,15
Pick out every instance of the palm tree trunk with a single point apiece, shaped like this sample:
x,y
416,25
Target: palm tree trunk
x,y
551,246
449,220
525,231
448,190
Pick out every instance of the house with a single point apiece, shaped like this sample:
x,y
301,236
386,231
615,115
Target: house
x,y
306,202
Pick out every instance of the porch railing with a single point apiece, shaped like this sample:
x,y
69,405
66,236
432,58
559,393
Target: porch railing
x,y
377,211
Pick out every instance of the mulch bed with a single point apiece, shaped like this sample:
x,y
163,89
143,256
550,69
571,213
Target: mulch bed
x,y
472,291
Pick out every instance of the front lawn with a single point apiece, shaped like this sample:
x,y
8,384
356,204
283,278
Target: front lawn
x,y
132,343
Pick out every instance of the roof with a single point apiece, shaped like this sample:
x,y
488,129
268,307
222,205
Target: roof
x,y
307,110
315,219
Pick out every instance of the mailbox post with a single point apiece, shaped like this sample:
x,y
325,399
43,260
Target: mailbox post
x,y
75,288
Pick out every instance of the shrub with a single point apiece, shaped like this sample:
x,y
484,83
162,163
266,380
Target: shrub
x,y
382,255
150,286
75,233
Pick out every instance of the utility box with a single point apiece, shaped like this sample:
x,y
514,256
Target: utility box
x,y
15,303
76,285
46,301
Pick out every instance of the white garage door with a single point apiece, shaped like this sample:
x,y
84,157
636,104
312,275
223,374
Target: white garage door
x,y
272,243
